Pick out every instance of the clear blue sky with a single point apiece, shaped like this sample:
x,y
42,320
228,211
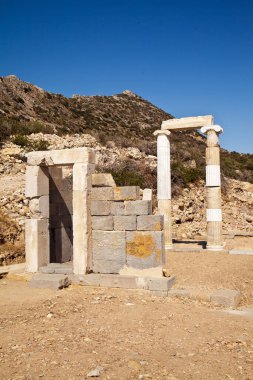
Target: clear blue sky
x,y
187,57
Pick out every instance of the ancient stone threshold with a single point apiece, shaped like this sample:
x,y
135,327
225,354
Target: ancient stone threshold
x,y
241,252
194,246
57,268
194,250
221,297
157,285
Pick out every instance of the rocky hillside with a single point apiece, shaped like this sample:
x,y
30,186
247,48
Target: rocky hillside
x,y
126,120
120,128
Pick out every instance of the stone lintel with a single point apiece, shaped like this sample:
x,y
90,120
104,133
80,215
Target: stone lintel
x,y
61,157
187,123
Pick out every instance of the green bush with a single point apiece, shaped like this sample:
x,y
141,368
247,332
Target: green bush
x,y
11,126
125,177
24,142
40,145
21,140
182,175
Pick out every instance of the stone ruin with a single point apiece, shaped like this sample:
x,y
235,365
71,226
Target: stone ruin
x,y
85,227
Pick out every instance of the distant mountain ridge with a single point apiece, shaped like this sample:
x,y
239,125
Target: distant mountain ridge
x,y
126,119
126,113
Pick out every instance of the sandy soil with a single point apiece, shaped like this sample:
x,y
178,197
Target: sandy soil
x,y
129,334
214,270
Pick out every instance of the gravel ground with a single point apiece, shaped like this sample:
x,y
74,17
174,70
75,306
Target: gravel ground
x,y
214,270
118,334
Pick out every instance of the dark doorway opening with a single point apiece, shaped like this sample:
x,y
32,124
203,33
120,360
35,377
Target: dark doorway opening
x,y
61,213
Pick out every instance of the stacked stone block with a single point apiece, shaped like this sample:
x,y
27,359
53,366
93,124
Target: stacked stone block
x,y
124,231
36,228
65,204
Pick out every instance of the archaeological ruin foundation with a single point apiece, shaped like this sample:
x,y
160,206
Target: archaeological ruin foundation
x,y
84,225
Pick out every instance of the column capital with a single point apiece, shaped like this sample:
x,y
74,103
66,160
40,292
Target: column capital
x,y
162,132
217,128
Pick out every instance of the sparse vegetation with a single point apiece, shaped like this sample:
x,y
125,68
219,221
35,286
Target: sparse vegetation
x,y
24,142
125,119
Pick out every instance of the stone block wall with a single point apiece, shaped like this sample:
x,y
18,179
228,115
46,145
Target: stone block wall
x,y
125,234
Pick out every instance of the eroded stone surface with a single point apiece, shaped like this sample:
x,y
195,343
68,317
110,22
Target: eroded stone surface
x,y
49,281
102,194
103,179
109,251
104,223
100,207
126,193
226,297
138,207
150,223
124,223
145,249
117,208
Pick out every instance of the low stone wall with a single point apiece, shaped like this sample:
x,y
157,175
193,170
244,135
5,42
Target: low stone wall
x,y
125,234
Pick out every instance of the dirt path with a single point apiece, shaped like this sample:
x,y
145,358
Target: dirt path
x,y
66,334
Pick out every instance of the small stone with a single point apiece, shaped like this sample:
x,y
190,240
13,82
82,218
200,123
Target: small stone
x,y
95,372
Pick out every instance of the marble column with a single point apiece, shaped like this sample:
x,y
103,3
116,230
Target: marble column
x,y
213,188
164,185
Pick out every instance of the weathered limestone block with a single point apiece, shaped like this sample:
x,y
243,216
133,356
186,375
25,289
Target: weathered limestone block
x,y
82,176
226,297
161,284
145,249
126,193
150,223
189,123
109,251
213,197
81,232
138,207
36,181
117,208
39,207
102,194
61,157
49,281
82,217
212,156
164,208
103,180
214,233
100,207
104,223
124,223
147,195
36,244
